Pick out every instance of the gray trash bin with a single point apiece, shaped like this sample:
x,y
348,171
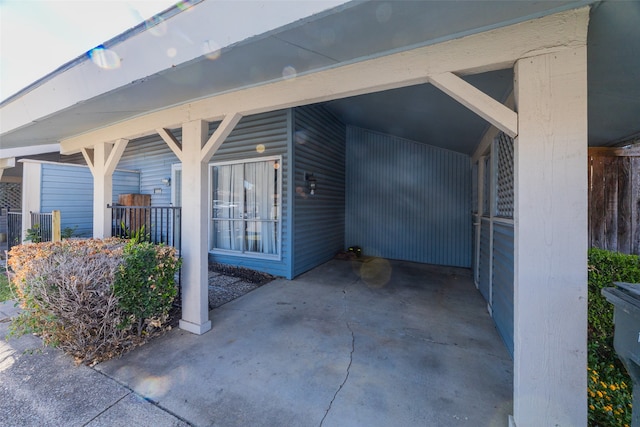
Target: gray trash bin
x,y
625,298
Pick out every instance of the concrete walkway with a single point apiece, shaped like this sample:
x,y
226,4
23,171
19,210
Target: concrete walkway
x,y
347,344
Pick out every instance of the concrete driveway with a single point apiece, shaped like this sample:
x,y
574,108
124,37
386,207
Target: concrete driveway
x,y
372,343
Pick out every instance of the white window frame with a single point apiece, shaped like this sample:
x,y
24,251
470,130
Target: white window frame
x,y
239,254
175,188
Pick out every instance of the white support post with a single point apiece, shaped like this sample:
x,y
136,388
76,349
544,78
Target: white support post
x,y
102,161
195,302
550,295
31,193
102,192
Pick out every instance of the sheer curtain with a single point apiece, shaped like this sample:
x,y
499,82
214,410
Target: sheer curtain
x,y
245,207
266,192
228,205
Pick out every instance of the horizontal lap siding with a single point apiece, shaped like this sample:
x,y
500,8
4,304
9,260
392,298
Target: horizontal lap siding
x,y
407,200
319,149
69,189
272,131
502,286
153,158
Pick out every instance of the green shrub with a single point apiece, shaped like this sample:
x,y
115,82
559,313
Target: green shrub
x,y
609,390
6,293
145,284
67,293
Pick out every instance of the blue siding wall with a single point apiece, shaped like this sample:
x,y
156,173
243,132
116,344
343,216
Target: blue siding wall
x,y
319,148
271,130
153,158
407,200
69,189
484,284
502,286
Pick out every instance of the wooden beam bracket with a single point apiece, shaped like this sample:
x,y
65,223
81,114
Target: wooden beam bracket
x,y
477,101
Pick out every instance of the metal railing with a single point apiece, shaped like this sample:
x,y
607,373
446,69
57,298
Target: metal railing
x,y
156,224
41,229
14,228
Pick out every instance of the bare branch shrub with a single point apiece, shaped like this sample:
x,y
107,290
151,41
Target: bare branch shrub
x,y
66,291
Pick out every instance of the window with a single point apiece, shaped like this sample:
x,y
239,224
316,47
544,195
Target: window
x,y
245,210
176,184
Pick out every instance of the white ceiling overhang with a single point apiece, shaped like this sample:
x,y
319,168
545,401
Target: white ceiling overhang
x,y
289,46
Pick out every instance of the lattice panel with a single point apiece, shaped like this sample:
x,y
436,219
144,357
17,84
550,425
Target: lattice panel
x,y
10,195
504,176
486,193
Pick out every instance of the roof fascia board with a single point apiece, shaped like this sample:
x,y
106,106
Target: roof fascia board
x,y
210,25
29,151
491,50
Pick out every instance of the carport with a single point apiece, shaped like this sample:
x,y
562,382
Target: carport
x,y
340,345
345,52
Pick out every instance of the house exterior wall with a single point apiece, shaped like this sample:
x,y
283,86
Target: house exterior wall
x,y
69,189
271,132
407,200
319,149
502,285
484,264
153,158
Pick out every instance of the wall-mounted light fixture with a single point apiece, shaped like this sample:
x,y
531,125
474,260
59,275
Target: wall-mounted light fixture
x,y
166,181
311,183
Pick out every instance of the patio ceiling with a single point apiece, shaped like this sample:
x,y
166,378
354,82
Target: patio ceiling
x,y
352,32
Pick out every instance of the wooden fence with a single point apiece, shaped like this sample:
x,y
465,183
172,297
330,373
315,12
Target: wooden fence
x,y
614,199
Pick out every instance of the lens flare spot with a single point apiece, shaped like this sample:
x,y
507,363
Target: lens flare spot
x,y
289,72
183,5
383,12
104,58
375,272
301,137
260,148
211,50
154,387
300,192
328,36
172,52
156,26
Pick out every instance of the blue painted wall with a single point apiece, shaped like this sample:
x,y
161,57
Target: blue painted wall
x,y
319,149
502,286
271,130
407,200
69,189
153,158
484,283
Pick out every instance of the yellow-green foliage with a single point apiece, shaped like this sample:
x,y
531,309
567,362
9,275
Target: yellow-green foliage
x,y
609,391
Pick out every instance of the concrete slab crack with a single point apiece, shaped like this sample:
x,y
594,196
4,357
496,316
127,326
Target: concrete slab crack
x,y
346,377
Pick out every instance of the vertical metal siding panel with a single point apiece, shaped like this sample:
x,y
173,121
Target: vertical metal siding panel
x,y
318,147
407,200
484,284
271,130
502,290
